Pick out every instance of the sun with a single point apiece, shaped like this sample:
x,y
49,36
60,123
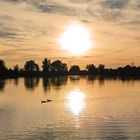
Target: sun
x,y
75,39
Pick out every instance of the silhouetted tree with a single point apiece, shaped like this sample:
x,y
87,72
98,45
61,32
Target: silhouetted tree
x,y
64,67
101,69
128,69
21,69
46,65
16,68
75,69
2,66
91,69
58,66
31,66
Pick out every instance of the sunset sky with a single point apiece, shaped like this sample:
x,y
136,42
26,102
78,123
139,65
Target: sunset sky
x,y
31,29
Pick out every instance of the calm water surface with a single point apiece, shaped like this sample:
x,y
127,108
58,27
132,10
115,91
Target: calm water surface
x,y
81,108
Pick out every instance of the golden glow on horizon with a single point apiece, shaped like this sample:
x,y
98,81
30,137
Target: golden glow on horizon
x,y
76,101
76,39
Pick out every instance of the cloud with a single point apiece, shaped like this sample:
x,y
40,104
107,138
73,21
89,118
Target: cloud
x,y
85,21
11,35
20,29
108,10
114,4
14,0
115,10
12,52
47,6
91,56
6,32
55,8
122,59
79,1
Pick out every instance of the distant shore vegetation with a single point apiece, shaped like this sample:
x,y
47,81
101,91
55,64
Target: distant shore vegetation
x,y
58,68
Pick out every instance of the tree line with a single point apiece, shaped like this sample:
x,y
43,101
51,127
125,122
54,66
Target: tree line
x,y
57,67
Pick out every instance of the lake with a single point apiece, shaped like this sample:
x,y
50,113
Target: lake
x,y
95,108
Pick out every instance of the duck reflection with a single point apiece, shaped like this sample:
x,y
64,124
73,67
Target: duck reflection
x,y
76,101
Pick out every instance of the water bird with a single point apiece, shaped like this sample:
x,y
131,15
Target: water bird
x,y
45,101
48,100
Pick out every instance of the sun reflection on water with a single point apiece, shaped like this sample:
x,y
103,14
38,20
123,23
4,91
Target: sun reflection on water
x,y
76,101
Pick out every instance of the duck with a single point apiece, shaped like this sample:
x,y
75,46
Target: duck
x,y
45,101
42,101
49,100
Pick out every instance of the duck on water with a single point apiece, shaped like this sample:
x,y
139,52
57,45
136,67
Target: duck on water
x,y
45,101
